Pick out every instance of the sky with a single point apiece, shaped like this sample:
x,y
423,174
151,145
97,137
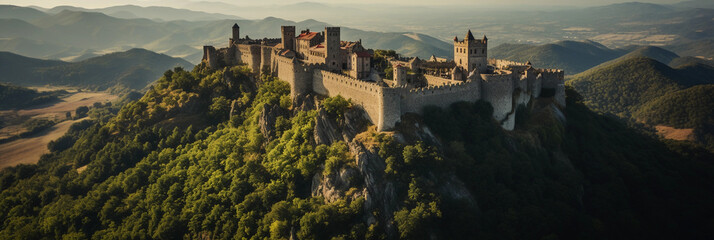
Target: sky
x,y
181,3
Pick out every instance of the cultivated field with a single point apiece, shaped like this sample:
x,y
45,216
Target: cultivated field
x,y
29,150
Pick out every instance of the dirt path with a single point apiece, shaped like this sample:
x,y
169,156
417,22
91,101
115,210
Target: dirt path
x,y
29,150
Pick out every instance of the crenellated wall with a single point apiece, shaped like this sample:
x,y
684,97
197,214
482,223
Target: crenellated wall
x,y
505,88
414,100
438,81
552,77
366,94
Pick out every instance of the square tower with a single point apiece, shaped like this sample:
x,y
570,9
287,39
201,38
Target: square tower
x,y
470,53
236,33
288,37
332,48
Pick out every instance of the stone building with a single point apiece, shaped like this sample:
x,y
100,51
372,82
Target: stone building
x,y
319,62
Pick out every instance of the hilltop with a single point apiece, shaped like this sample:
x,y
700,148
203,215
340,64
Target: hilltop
x,y
639,88
223,154
133,69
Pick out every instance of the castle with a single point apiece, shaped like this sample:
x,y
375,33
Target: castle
x,y
319,62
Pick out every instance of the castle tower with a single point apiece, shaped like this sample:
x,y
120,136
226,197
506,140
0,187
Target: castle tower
x,y
332,47
400,75
288,40
470,53
236,32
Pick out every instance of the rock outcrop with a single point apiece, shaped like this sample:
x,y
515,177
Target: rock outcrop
x,y
268,117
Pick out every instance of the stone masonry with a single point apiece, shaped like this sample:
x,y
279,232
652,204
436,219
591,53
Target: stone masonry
x,y
320,62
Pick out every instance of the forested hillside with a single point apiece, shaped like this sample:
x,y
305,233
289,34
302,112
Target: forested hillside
x,y
219,154
133,69
572,56
15,97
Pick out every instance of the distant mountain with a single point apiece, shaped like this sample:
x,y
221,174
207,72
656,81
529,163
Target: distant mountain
x,y
21,13
656,53
186,52
571,56
623,85
154,13
695,4
73,28
704,48
133,69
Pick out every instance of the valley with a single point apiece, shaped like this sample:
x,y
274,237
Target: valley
x,y
190,119
20,146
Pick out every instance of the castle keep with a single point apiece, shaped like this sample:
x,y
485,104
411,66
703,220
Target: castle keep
x,y
319,62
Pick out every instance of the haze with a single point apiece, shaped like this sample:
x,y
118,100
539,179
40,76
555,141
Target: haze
x,y
183,3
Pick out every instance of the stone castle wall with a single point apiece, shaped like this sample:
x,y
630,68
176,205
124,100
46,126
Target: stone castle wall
x,y
438,81
250,55
504,90
552,77
414,100
497,89
500,63
366,94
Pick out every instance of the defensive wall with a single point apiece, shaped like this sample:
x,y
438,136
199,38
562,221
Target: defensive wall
x,y
510,85
366,94
414,100
438,81
498,90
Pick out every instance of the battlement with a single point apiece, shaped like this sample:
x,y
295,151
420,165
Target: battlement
x,y
437,89
551,70
500,63
502,83
350,81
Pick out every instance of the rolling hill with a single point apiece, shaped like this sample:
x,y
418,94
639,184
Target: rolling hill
x,y
622,85
571,56
133,69
691,108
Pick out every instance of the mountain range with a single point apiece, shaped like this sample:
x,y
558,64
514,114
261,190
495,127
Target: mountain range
x,y
64,32
577,56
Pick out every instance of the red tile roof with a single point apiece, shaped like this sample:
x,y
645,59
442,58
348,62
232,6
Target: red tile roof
x,y
363,54
307,36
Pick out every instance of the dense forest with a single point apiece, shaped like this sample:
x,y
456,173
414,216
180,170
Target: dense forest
x,y
220,154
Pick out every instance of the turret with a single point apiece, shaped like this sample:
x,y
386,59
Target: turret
x,y
469,36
